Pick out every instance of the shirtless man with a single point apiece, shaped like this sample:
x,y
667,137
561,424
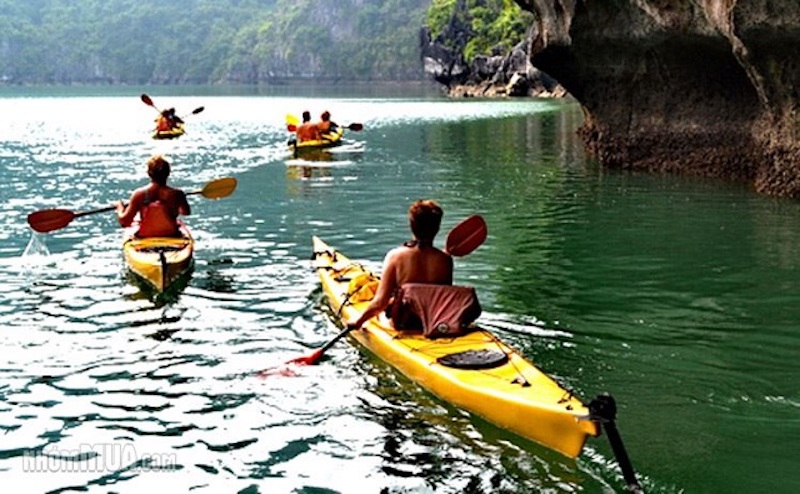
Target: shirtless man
x,y
326,125
307,131
157,204
417,261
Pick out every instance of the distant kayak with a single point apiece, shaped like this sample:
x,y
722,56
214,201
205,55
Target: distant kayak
x,y
329,140
169,134
159,261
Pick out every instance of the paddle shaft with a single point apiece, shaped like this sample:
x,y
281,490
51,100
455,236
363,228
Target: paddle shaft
x,y
48,220
324,348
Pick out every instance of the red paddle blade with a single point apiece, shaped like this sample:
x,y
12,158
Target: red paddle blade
x,y
48,220
466,236
291,128
355,126
285,370
308,359
146,99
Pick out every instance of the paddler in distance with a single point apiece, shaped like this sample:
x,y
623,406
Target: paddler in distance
x,y
307,131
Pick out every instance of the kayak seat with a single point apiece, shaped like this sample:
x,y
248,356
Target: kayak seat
x,y
436,310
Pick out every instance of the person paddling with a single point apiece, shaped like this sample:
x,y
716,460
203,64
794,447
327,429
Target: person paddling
x,y
416,261
168,121
307,131
326,125
157,204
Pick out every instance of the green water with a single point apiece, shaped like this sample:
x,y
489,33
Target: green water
x,y
676,295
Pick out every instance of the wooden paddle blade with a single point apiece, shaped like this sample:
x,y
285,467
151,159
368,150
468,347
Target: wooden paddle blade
x,y
355,126
219,188
292,119
466,236
147,101
48,220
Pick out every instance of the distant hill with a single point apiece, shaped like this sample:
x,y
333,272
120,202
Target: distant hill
x,y
209,41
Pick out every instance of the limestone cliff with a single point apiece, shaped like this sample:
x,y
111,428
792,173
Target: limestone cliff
x,y
502,72
691,86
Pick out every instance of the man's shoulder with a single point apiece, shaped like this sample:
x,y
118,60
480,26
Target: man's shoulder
x,y
397,252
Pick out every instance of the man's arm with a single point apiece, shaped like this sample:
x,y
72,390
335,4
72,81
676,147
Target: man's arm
x,y
125,214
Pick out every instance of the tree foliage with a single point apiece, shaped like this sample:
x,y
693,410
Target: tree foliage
x,y
495,26
208,41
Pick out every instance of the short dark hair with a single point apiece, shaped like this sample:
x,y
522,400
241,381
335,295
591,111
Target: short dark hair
x,y
158,169
425,218
306,116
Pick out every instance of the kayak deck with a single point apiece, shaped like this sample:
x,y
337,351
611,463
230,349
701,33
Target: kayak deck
x,y
507,390
159,261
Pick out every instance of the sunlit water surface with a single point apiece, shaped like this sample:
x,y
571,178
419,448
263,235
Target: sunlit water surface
x,y
676,295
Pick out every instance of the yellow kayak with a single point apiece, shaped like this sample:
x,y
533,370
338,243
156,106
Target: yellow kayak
x,y
330,140
159,261
169,134
475,371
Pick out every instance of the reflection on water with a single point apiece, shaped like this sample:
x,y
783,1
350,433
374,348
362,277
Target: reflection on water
x,y
307,171
146,290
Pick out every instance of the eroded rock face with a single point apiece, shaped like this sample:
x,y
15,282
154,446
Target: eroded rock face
x,y
496,75
705,86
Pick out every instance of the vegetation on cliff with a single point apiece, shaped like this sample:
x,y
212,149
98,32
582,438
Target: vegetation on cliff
x,y
208,41
493,26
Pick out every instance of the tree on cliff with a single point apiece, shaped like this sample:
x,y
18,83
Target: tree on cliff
x,y
481,48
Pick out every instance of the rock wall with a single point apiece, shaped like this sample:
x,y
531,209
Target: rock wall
x,y
499,74
706,87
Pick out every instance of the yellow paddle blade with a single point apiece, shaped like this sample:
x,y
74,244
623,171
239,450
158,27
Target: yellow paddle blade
x,y
219,188
292,119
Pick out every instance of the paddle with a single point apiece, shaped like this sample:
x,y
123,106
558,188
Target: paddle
x,y
195,111
463,239
353,126
466,236
48,220
149,102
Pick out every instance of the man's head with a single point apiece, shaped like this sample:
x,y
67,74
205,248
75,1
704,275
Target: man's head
x,y
425,218
326,115
306,116
158,169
